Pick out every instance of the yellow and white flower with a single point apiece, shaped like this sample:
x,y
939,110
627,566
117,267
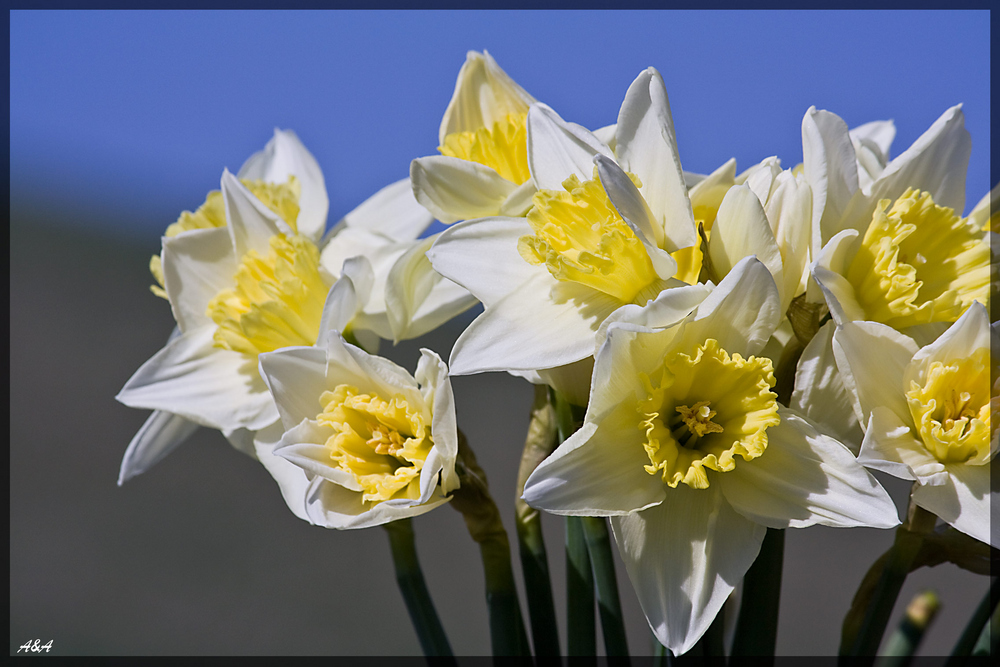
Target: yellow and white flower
x,y
927,413
362,442
896,251
483,167
251,286
549,280
685,447
286,178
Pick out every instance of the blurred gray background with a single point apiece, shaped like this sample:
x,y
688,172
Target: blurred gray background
x,y
200,554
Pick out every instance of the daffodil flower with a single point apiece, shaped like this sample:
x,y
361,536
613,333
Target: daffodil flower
x,y
550,279
896,251
362,442
286,178
483,168
251,286
685,447
926,413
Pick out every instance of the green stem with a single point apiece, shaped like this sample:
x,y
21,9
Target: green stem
x,y
410,578
899,563
595,530
903,643
662,657
989,637
967,641
757,623
538,444
482,518
580,623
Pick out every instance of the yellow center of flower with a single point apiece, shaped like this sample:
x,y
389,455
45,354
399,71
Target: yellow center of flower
x,y
503,147
282,198
382,444
952,408
919,263
705,409
277,301
580,237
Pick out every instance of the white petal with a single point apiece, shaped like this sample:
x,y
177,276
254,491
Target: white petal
x,y
831,168
341,306
971,332
872,358
684,557
606,135
573,380
761,178
789,211
805,478
937,162
871,146
392,211
353,241
284,156
627,351
251,224
197,265
371,374
208,385
292,480
742,229
558,150
296,378
627,199
454,189
304,446
432,374
646,145
598,471
741,313
333,506
445,301
668,308
520,201
482,257
484,94
544,323
879,132
965,502
415,291
161,434
820,393
890,446
710,190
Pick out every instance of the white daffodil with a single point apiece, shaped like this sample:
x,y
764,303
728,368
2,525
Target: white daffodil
x,y
897,251
926,413
362,442
251,286
483,167
686,449
286,178
549,280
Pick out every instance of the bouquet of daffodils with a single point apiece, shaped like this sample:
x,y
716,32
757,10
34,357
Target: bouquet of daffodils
x,y
716,358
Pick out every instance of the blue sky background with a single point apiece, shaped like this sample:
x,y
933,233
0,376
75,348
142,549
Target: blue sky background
x,y
123,119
